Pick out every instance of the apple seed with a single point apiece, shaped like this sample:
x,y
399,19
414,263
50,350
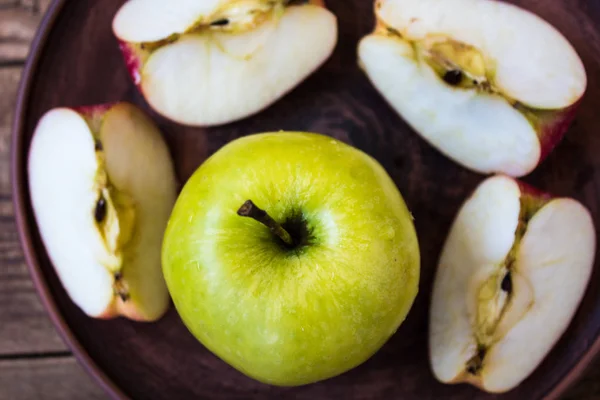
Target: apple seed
x,y
453,77
506,284
100,211
220,22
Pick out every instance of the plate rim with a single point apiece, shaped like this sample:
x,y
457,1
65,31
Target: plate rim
x,y
20,200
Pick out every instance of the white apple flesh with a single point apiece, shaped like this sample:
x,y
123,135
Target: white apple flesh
x,y
511,275
208,62
102,187
490,85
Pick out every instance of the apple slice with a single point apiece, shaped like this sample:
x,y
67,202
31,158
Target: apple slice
x,y
102,188
210,62
490,85
511,275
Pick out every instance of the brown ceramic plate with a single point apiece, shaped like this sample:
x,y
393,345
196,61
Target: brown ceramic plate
x,y
75,60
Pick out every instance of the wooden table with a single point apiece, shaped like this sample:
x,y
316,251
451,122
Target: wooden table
x,y
34,362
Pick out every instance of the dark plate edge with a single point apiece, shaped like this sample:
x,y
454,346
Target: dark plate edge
x,y
20,202
576,372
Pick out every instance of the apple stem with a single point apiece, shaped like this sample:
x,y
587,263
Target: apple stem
x,y
249,209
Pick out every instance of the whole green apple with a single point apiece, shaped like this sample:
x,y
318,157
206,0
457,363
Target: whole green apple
x,y
308,288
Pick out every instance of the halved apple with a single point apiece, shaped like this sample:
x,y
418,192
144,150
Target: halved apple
x,y
102,187
511,275
210,62
490,85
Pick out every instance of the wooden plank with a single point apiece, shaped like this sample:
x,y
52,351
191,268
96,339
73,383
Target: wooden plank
x,y
57,378
18,24
33,5
62,378
24,326
9,81
42,5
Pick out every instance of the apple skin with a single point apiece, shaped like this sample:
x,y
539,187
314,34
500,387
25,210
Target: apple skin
x,y
94,114
94,111
534,193
289,317
119,308
553,128
133,62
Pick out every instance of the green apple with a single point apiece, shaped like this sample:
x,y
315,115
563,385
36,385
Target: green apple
x,y
302,306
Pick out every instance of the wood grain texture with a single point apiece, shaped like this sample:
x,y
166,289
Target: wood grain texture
x,y
53,378
24,325
18,23
162,360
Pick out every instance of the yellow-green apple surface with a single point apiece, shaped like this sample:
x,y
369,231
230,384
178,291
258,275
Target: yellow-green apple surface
x,y
291,256
102,188
210,62
492,86
511,275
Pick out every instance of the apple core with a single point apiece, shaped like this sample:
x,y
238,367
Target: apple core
x,y
495,312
